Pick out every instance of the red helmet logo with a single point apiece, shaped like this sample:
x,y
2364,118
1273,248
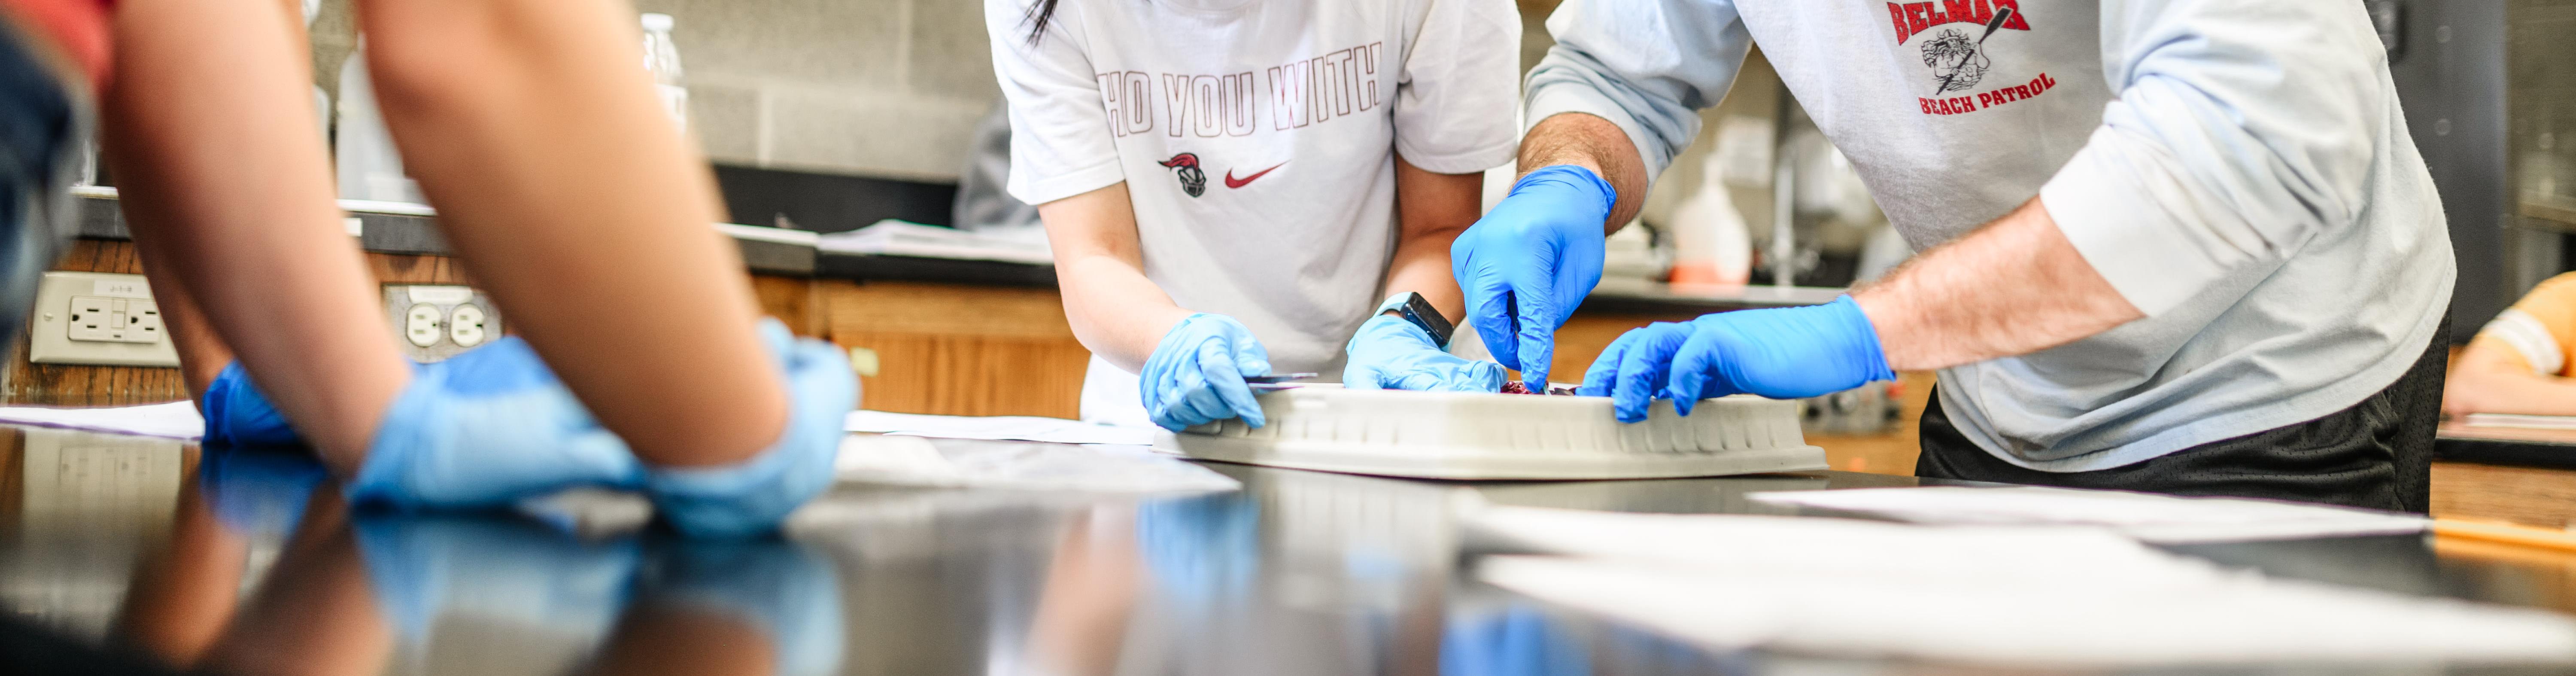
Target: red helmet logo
x,y
1186,167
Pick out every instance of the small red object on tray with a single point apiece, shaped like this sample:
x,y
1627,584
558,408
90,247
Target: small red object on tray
x,y
1518,387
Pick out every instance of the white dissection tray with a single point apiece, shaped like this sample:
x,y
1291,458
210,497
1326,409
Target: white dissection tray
x,y
1452,435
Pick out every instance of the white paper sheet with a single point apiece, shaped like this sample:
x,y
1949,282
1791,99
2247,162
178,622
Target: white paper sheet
x,y
2028,596
999,428
898,238
2535,422
1827,546
2149,517
174,420
2236,620
916,461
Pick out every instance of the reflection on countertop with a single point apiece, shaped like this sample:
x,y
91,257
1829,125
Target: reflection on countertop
x,y
248,561
1616,294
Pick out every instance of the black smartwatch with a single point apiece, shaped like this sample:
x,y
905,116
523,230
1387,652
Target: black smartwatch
x,y
1414,308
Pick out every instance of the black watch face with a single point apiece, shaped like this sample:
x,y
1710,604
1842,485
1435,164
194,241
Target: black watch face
x,y
1419,311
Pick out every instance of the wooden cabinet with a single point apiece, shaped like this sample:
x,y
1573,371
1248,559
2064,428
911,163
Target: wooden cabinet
x,y
955,349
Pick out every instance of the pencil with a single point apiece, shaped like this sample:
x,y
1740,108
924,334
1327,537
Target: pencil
x,y
2497,531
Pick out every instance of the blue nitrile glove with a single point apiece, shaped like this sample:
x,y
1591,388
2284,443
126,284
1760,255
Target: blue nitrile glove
x,y
1528,263
237,414
751,497
1196,374
1391,353
487,428
1781,353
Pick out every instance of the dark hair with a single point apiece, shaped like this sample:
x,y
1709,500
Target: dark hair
x,y
1039,14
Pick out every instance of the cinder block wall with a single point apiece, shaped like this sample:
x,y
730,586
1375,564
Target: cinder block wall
x,y
887,88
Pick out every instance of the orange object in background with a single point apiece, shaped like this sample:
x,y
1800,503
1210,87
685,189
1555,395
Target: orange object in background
x,y
1705,273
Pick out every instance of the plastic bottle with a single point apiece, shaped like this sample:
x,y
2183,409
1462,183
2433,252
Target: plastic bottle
x,y
369,166
662,59
1711,242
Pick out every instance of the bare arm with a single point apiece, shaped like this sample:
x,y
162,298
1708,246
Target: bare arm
x,y
2011,287
206,94
1593,143
2491,378
576,202
1431,210
202,353
1100,264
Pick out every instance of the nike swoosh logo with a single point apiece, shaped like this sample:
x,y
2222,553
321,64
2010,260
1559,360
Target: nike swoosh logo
x,y
1232,183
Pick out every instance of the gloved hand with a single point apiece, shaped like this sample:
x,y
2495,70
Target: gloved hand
x,y
1781,353
486,428
1391,353
1196,374
1528,263
753,496
237,414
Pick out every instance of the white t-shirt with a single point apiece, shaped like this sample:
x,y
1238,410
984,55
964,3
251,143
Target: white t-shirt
x,y
1258,138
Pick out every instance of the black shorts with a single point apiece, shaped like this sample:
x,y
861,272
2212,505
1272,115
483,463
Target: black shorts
x,y
2377,454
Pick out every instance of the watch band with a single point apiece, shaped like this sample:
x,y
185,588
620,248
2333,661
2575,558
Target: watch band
x,y
1418,310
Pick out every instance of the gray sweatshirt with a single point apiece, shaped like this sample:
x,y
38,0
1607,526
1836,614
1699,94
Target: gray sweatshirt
x,y
2238,169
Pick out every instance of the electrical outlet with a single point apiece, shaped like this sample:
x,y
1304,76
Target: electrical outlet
x,y
421,325
466,325
115,320
98,318
437,321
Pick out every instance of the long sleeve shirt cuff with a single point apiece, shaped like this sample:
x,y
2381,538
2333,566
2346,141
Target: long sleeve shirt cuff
x,y
2120,208
1549,99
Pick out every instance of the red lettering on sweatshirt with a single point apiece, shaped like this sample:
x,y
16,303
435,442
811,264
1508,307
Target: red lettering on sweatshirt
x,y
1990,98
1911,18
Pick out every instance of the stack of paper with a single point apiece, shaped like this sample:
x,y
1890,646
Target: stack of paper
x,y
2145,516
2054,597
2536,422
898,238
175,420
999,428
915,461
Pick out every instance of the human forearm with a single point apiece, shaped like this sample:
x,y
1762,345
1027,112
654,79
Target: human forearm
x,y
1431,210
2492,377
202,353
207,92
1115,311
1099,265
2470,390
2012,287
1595,144
578,204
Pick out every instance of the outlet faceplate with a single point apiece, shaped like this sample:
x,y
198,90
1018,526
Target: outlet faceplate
x,y
437,321
98,318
